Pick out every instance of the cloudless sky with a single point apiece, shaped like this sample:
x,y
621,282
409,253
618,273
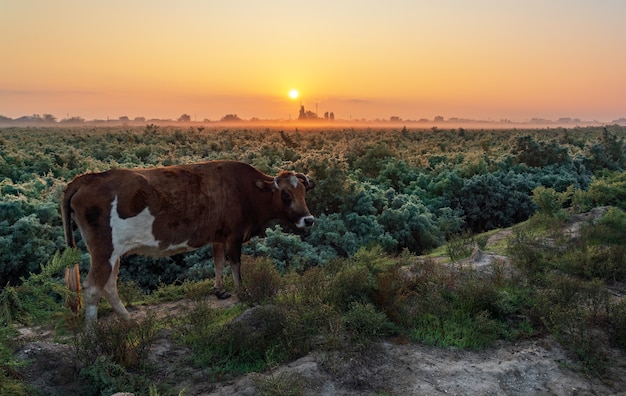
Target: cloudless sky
x,y
480,59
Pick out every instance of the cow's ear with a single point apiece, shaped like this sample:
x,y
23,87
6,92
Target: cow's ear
x,y
266,186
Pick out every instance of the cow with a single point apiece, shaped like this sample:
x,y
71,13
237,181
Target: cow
x,y
168,210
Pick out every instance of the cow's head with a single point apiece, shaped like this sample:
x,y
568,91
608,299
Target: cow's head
x,y
289,189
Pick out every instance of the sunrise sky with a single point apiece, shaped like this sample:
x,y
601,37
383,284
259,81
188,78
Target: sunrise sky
x,y
360,59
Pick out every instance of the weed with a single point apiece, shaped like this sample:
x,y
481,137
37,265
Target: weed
x,y
460,246
105,377
572,309
353,282
125,344
38,296
129,292
528,252
364,323
167,292
198,290
228,347
10,383
457,328
618,324
261,281
481,240
549,202
279,384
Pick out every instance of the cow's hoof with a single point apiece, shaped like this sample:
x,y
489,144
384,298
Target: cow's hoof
x,y
222,295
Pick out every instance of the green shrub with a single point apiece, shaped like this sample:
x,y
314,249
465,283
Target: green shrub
x,y
261,280
10,378
365,323
281,384
618,324
572,310
126,344
529,252
608,230
352,283
105,377
460,246
129,292
228,347
457,329
548,201
606,188
38,298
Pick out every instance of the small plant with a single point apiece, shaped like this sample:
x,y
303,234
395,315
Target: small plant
x,y
572,310
167,292
458,329
528,252
125,344
549,202
105,377
481,240
129,291
279,384
10,383
618,324
365,324
37,298
198,290
460,246
261,280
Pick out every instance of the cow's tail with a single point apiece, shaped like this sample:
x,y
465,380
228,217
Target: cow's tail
x,y
72,275
66,214
72,281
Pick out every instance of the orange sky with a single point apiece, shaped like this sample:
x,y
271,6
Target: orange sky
x,y
482,59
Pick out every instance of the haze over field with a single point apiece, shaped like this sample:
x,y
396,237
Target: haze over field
x,y
486,60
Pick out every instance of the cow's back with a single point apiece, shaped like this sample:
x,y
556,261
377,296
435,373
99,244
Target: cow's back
x,y
191,204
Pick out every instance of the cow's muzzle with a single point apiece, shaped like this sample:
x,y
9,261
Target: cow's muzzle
x,y
306,221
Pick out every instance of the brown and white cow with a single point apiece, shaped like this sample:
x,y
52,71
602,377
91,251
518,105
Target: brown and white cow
x,y
163,211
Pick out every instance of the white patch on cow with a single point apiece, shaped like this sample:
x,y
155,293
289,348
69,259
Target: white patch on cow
x,y
294,181
134,234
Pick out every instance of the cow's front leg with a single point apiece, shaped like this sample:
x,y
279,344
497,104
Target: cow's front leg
x,y
110,293
219,259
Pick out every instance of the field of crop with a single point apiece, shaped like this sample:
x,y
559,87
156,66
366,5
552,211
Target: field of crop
x,y
383,197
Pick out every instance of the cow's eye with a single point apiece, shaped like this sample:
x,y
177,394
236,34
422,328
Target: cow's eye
x,y
286,197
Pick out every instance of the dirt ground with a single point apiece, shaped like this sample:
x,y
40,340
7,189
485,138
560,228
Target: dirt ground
x,y
392,367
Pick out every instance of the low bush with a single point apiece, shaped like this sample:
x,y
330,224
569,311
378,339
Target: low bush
x,y
126,344
460,246
261,281
38,298
364,323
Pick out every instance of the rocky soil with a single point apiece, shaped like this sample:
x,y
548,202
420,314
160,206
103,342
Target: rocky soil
x,y
392,367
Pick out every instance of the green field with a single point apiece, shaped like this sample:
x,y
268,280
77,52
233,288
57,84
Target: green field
x,y
382,198
401,189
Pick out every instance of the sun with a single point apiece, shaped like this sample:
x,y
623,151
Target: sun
x,y
293,94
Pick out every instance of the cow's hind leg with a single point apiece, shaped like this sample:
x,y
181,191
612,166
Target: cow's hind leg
x,y
111,295
99,273
219,260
